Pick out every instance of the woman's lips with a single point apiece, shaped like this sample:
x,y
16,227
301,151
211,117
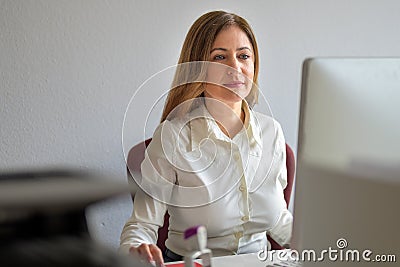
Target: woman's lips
x,y
233,84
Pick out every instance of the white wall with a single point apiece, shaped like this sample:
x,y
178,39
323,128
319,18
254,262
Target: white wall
x,y
69,68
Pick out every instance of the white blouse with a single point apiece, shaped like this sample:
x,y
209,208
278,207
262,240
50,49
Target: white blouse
x,y
234,187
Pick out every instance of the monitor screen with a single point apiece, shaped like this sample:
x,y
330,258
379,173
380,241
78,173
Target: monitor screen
x,y
350,113
348,164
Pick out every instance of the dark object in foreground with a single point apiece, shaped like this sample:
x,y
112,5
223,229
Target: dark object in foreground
x,y
43,221
62,252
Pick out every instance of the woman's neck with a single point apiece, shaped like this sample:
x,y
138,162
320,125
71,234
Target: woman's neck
x,y
230,118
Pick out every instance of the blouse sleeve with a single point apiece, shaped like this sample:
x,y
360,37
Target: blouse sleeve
x,y
148,207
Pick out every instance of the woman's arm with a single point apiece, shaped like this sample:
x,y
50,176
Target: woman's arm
x,y
142,226
139,235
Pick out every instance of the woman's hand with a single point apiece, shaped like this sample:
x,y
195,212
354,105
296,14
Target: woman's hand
x,y
149,253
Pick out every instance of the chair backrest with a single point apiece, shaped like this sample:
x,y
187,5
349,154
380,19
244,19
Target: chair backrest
x,y
136,156
291,170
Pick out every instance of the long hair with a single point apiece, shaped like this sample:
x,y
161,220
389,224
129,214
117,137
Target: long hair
x,y
197,47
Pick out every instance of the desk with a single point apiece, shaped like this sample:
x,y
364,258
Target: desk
x,y
248,260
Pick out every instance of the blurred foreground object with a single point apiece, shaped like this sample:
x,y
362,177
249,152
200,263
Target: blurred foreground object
x,y
60,252
43,222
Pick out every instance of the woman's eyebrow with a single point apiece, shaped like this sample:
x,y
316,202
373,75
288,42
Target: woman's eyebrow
x,y
224,49
243,48
218,48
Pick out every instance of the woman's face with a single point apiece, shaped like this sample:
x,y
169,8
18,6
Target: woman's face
x,y
232,81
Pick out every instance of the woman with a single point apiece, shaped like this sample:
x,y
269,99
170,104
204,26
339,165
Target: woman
x,y
213,161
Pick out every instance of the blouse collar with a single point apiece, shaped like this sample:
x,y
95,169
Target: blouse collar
x,y
203,126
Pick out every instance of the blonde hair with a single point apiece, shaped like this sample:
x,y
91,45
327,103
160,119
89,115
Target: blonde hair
x,y
197,47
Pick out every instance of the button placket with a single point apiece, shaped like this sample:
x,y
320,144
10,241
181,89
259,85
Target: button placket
x,y
242,187
245,197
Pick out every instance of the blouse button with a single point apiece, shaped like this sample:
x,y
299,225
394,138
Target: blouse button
x,y
241,188
245,218
238,235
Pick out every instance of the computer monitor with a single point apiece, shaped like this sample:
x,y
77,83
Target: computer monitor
x,y
348,164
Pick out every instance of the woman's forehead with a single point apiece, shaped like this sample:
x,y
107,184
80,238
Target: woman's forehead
x,y
230,37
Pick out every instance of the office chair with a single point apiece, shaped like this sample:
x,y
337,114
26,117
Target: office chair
x,y
136,156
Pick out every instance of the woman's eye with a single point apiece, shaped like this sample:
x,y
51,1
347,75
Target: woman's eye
x,y
244,56
219,57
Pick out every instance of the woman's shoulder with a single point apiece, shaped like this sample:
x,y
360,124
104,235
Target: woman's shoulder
x,y
171,133
265,120
171,126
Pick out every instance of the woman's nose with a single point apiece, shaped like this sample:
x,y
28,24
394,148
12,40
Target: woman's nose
x,y
233,66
